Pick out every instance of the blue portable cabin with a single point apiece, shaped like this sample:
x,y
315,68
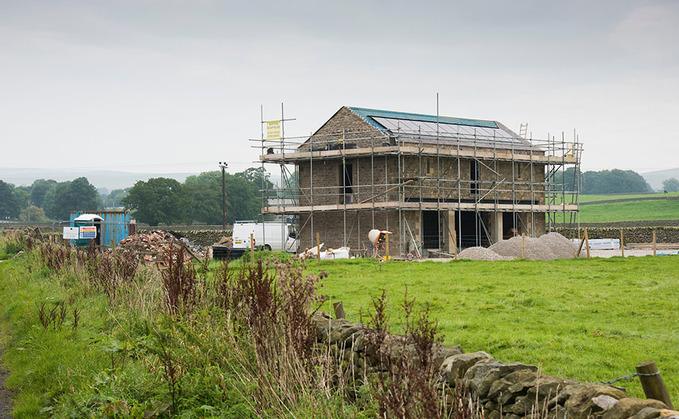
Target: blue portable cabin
x,y
112,226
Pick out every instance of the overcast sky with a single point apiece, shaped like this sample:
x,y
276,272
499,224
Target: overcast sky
x,y
169,86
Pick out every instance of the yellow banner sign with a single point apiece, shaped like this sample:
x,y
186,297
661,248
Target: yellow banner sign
x,y
273,130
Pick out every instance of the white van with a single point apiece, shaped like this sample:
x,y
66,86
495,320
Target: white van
x,y
269,235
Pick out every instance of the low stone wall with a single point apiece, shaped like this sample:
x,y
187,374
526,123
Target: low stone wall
x,y
619,224
508,391
631,234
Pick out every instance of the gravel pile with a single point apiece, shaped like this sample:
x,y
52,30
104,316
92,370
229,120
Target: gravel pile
x,y
481,253
547,247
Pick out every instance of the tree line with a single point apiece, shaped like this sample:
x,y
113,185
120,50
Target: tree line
x,y
603,182
156,201
199,198
47,199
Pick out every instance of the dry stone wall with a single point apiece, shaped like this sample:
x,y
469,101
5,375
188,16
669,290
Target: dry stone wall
x,y
632,234
504,390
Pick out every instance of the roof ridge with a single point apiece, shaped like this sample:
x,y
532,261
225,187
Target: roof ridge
x,y
369,113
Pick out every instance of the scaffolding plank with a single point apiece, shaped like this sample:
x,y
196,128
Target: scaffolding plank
x,y
446,206
485,154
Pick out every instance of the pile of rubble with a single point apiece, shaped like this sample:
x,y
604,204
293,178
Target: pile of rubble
x,y
546,247
151,244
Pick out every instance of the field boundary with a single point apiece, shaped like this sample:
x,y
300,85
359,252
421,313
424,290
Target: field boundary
x,y
505,390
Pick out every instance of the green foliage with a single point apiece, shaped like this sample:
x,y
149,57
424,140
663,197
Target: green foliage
x,y
76,195
205,191
9,201
112,200
159,200
33,214
614,181
670,185
10,244
129,357
199,198
42,192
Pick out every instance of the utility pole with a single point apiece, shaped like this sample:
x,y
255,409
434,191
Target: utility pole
x,y
223,166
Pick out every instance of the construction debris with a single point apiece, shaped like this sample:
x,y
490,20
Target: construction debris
x,y
151,244
311,252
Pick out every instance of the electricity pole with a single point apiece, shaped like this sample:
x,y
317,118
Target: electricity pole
x,y
223,166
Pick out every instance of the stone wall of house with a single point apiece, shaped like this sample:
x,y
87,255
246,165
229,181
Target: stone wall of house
x,y
505,181
344,127
332,227
431,178
504,390
372,177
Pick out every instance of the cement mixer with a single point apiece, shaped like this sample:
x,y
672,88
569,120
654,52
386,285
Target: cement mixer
x,y
379,238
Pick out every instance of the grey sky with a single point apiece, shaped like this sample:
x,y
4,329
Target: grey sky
x,y
177,85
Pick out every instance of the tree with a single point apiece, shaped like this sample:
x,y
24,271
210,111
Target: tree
x,y
256,175
9,202
205,194
73,196
39,191
112,200
614,181
33,214
158,200
243,200
566,180
671,185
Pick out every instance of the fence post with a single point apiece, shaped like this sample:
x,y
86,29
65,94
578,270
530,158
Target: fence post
x,y
318,246
587,243
653,385
252,250
622,245
582,242
654,244
339,310
455,243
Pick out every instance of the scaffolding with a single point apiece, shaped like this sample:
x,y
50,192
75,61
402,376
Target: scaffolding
x,y
427,186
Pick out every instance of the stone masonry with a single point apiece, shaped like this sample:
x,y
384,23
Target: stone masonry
x,y
503,390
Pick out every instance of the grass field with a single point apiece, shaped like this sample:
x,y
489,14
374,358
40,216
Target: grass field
x,y
641,210
588,320
630,211
590,198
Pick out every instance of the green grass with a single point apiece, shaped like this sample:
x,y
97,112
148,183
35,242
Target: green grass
x,y
589,320
630,211
641,210
590,198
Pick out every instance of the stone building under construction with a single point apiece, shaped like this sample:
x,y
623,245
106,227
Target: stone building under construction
x,y
435,182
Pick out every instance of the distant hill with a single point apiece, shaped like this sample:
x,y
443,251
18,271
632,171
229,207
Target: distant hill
x,y
102,179
656,178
